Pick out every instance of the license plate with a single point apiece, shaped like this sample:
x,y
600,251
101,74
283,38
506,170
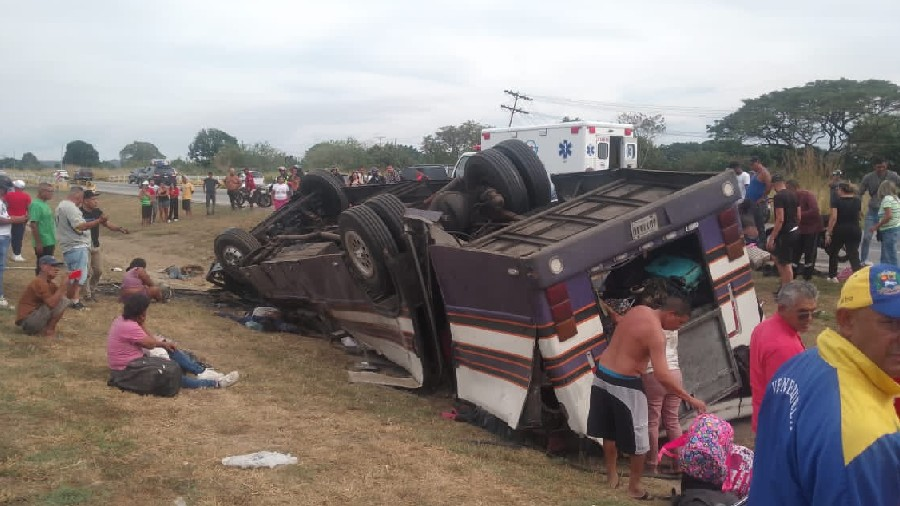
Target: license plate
x,y
644,226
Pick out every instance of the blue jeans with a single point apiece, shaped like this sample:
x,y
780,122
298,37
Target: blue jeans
x,y
871,220
188,365
4,245
78,259
889,245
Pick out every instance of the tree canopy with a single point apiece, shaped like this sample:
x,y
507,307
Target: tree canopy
x,y
29,161
259,155
821,113
82,154
139,153
207,144
445,145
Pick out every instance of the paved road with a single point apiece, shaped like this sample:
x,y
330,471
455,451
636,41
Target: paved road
x,y
131,189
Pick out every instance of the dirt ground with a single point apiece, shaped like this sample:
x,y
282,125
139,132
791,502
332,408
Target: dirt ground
x,y
70,439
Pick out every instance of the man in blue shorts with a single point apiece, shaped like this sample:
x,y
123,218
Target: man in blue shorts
x,y
74,242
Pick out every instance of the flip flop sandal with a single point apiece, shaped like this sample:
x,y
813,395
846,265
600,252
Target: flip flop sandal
x,y
645,497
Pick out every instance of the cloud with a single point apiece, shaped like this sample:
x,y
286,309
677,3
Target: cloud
x,y
296,73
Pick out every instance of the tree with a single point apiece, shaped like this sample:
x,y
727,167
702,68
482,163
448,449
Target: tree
x,y
139,153
29,161
207,143
398,155
445,145
261,155
8,162
346,154
567,119
821,113
646,129
82,154
871,138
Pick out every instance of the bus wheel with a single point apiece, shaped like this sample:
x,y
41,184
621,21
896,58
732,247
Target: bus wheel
x,y
367,242
530,168
492,168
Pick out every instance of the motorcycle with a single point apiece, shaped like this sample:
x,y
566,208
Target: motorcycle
x,y
261,196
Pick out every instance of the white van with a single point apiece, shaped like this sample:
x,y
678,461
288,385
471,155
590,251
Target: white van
x,y
577,146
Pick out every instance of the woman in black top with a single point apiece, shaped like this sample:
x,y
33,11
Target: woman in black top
x,y
843,230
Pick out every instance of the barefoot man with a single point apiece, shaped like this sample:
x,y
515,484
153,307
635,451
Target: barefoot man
x,y
618,412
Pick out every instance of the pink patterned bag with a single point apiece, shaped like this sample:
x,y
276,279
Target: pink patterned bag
x,y
740,470
705,454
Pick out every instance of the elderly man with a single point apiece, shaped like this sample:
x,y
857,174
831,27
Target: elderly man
x,y
869,184
828,432
43,302
777,338
74,243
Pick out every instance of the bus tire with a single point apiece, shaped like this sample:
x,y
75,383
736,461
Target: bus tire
x,y
329,190
492,168
530,168
367,241
391,210
231,248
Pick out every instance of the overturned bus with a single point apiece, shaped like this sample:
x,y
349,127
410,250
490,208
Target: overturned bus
x,y
487,286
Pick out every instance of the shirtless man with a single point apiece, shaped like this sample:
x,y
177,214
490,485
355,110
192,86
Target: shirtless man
x,y
618,411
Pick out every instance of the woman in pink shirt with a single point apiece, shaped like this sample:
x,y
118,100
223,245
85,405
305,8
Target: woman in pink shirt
x,y
128,338
137,281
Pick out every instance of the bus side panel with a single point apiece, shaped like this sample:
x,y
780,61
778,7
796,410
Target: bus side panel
x,y
492,328
732,282
565,360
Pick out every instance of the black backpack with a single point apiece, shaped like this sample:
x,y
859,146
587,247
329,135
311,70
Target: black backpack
x,y
148,376
702,497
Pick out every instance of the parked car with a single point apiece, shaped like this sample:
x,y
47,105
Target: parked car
x,y
59,174
162,173
139,175
502,300
258,178
84,174
432,172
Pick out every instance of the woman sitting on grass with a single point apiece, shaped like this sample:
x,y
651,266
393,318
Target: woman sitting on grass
x,y
137,281
128,338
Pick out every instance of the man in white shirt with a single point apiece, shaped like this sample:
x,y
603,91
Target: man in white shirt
x,y
742,176
73,240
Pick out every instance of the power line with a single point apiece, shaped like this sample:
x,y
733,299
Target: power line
x,y
513,110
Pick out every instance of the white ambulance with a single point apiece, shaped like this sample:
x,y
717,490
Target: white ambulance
x,y
580,146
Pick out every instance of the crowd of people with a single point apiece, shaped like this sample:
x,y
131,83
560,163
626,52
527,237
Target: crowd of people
x,y
794,238
826,420
73,230
160,202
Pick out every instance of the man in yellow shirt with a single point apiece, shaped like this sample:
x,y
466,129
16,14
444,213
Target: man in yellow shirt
x,y
187,191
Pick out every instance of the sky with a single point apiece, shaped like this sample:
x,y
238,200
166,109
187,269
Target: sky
x,y
294,73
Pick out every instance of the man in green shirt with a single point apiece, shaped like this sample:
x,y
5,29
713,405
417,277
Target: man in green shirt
x,y
43,223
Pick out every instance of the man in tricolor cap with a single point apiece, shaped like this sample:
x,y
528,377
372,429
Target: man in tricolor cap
x,y
828,433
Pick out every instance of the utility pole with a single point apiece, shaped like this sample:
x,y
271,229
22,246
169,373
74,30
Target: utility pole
x,y
512,110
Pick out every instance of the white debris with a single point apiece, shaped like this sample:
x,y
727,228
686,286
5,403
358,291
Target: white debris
x,y
260,459
180,502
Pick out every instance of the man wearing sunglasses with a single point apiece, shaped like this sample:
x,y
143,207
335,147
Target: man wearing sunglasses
x,y
777,338
828,432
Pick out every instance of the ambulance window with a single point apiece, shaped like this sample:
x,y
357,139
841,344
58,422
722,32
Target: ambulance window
x,y
630,151
603,151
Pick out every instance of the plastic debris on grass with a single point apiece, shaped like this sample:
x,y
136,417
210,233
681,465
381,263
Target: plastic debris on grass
x,y
260,459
